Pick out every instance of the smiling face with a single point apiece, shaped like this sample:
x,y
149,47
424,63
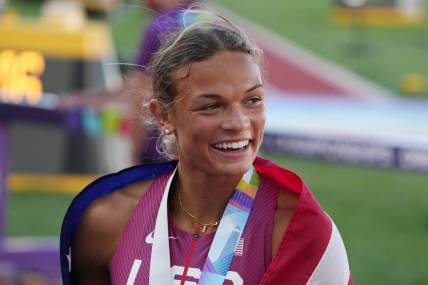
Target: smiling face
x,y
218,116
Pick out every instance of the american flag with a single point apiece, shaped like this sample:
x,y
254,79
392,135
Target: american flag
x,y
239,247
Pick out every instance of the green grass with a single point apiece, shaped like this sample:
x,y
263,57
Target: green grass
x,y
36,214
382,215
25,7
392,52
127,24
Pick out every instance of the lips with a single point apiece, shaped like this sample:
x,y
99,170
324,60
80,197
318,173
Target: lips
x,y
232,145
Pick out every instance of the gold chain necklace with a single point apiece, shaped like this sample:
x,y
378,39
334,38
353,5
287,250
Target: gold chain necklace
x,y
204,225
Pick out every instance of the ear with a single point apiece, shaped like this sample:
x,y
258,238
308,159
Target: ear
x,y
162,116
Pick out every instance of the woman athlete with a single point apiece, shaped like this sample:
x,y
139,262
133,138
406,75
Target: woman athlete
x,y
216,213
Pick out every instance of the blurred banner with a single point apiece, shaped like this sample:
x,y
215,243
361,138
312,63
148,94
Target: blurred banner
x,y
379,12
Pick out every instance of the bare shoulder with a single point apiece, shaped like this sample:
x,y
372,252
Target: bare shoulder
x,y
99,231
286,206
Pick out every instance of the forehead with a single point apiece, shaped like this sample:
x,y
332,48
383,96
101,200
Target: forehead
x,y
224,73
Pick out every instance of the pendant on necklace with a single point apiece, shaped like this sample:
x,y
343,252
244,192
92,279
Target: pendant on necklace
x,y
196,234
204,228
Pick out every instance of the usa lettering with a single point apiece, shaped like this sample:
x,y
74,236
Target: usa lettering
x,y
177,272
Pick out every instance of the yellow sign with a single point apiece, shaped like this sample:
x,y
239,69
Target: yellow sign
x,y
20,74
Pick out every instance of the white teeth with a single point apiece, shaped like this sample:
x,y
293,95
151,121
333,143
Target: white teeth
x,y
234,145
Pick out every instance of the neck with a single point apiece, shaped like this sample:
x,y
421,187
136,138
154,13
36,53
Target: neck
x,y
204,196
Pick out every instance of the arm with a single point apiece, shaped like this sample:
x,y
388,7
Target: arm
x,y
286,206
99,233
92,247
311,250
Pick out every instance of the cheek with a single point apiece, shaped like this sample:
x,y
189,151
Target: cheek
x,y
205,128
259,120
262,118
197,130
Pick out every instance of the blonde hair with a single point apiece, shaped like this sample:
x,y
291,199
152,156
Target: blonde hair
x,y
204,35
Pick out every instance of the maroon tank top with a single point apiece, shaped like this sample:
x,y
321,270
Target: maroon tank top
x,y
252,255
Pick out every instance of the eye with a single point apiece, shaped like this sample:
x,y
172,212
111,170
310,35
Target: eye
x,y
254,100
212,107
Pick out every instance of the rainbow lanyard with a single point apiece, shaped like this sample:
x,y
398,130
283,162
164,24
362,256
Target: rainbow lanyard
x,y
226,238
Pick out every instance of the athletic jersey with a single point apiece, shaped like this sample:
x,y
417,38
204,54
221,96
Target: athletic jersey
x,y
311,251
252,255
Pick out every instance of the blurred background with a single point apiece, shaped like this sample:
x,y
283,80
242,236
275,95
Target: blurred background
x,y
347,110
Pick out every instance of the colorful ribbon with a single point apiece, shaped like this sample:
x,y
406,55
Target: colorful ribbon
x,y
227,236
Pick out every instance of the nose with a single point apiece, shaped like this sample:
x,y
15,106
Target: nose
x,y
235,119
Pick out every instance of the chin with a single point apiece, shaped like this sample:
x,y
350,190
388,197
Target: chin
x,y
235,167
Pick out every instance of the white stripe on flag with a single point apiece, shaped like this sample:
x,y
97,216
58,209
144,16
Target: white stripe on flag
x,y
333,268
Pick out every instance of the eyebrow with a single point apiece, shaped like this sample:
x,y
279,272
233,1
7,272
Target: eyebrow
x,y
258,85
214,96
